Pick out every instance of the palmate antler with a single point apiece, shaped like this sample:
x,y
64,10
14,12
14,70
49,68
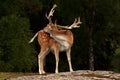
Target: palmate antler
x,y
51,13
76,24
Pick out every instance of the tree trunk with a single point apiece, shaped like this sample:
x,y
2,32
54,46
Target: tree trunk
x,y
90,35
91,55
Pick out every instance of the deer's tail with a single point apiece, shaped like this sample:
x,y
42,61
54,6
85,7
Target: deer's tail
x,y
33,38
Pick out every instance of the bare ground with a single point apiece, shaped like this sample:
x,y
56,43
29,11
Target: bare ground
x,y
76,75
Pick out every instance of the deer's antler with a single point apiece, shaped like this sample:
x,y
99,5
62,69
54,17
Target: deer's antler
x,y
76,24
51,13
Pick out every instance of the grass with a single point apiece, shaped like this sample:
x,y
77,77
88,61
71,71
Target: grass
x,y
5,75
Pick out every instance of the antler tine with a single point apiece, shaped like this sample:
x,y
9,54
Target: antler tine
x,y
46,15
75,21
79,20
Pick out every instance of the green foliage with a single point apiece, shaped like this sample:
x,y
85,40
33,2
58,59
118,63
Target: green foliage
x,y
15,52
106,34
11,7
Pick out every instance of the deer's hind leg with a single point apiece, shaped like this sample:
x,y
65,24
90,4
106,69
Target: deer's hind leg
x,y
41,56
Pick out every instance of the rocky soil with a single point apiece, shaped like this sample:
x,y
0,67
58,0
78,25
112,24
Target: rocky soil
x,y
76,75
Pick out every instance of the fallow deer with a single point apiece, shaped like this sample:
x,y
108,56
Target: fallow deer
x,y
51,38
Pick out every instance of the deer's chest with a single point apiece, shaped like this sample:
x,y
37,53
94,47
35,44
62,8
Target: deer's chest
x,y
64,46
63,41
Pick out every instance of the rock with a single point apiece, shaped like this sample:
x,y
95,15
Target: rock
x,y
76,75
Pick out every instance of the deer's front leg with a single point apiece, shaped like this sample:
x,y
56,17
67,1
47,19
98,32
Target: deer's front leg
x,y
69,59
57,59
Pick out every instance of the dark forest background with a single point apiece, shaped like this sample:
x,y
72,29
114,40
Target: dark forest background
x,y
96,42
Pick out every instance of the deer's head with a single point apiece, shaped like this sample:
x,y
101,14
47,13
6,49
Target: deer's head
x,y
50,27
